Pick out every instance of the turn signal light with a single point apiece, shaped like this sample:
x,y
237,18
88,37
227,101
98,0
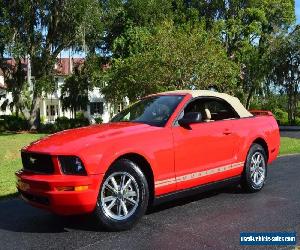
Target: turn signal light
x,y
76,188
81,188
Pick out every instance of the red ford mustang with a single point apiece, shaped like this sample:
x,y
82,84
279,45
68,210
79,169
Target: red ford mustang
x,y
163,146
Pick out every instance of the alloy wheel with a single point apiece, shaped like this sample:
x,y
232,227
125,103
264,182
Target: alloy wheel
x,y
119,196
257,168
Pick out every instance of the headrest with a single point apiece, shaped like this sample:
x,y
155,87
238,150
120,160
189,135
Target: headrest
x,y
207,114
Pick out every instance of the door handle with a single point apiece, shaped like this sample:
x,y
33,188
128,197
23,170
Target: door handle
x,y
227,132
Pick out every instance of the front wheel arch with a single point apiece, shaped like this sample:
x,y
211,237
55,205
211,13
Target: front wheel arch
x,y
145,167
105,215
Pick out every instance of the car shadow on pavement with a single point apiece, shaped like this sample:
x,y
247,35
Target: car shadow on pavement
x,y
192,198
17,216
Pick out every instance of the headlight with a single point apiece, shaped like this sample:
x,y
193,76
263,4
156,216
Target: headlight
x,y
71,165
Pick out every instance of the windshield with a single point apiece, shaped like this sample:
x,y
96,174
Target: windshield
x,y
154,110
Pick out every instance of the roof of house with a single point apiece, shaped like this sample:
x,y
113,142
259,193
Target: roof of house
x,y
233,101
65,66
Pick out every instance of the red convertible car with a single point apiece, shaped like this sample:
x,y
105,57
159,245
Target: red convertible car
x,y
164,146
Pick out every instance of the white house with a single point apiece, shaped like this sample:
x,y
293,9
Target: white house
x,y
4,95
50,105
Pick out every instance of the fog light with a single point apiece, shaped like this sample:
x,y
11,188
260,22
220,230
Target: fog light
x,y
65,188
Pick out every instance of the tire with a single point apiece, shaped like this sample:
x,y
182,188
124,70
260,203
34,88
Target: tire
x,y
254,175
118,210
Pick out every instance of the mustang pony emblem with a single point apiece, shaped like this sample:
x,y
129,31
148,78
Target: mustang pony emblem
x,y
32,160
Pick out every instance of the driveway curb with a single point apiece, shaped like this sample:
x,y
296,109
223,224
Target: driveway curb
x,y
295,154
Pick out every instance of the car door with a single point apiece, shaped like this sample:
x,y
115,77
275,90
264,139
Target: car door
x,y
205,152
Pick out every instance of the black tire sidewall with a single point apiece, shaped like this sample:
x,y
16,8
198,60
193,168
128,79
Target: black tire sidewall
x,y
131,168
247,181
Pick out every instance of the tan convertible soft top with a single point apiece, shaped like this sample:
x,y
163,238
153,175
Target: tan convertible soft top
x,y
233,101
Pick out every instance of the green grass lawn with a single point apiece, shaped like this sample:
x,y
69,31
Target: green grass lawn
x,y
10,160
289,146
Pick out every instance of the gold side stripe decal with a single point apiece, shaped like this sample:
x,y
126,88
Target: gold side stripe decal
x,y
164,181
198,174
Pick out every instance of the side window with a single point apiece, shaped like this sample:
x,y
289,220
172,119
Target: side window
x,y
211,109
220,110
197,105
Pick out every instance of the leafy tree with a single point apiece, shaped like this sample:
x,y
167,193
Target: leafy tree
x,y
118,15
245,28
169,57
285,73
42,29
16,85
74,92
231,45
14,74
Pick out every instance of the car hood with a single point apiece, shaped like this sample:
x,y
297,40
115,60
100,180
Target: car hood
x,y
74,140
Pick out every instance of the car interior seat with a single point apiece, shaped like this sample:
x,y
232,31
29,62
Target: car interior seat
x,y
207,116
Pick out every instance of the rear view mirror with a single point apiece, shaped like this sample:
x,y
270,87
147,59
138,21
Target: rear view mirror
x,y
190,118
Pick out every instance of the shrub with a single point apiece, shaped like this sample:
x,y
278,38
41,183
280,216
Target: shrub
x,y
47,128
79,122
62,123
281,116
80,115
99,120
2,125
297,122
13,123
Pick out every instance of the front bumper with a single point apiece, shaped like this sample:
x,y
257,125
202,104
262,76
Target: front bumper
x,y
44,191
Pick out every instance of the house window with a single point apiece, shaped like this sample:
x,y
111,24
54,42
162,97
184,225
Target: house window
x,y
51,110
96,108
118,108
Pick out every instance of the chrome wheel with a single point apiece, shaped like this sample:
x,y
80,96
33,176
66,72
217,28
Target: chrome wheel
x,y
119,196
258,168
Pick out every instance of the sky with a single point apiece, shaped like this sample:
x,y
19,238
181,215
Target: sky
x,y
297,9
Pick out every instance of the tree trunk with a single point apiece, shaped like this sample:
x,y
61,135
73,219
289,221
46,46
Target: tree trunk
x,y
248,100
17,110
34,120
290,104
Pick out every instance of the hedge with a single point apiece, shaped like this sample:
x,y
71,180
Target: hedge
x,y
13,123
63,123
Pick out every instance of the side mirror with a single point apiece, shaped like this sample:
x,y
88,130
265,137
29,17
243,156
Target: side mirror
x,y
190,118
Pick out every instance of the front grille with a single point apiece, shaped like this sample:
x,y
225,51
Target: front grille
x,y
38,163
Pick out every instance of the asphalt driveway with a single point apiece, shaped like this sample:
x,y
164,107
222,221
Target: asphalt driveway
x,y
210,221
